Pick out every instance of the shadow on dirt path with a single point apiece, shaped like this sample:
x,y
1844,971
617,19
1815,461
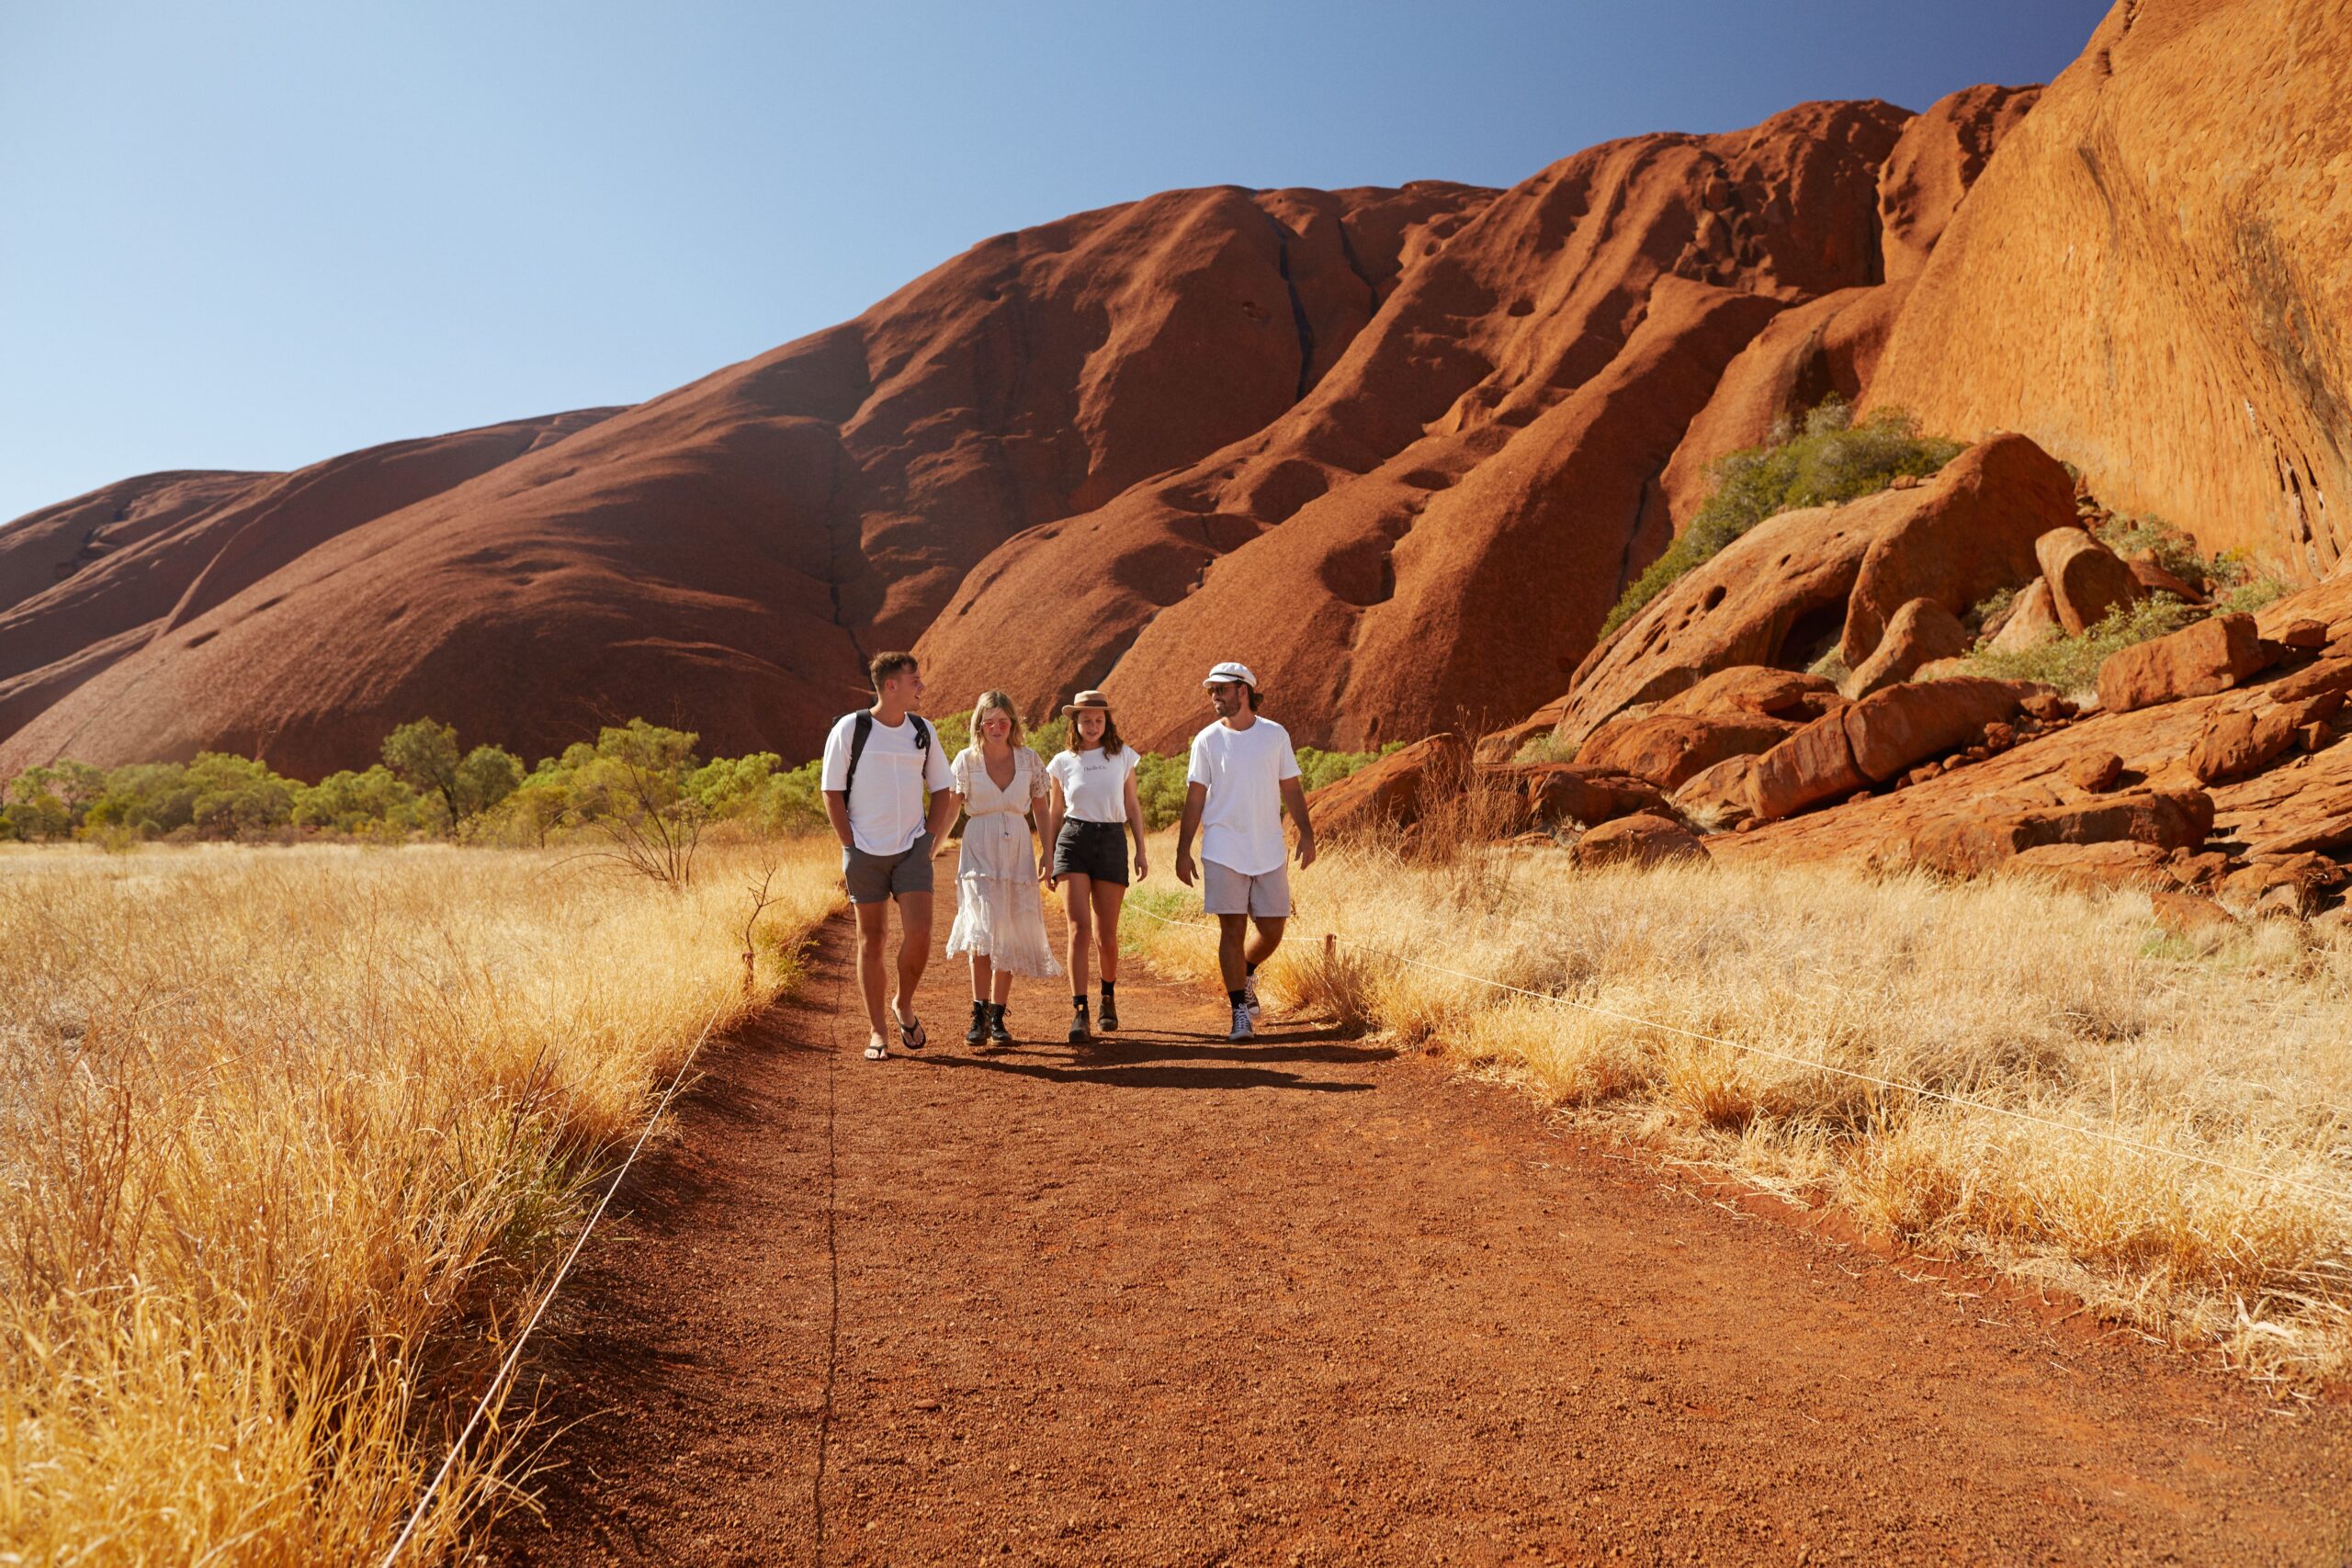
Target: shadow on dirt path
x,y
1340,1308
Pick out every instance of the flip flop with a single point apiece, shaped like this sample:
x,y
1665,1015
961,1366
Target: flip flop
x,y
876,1053
912,1035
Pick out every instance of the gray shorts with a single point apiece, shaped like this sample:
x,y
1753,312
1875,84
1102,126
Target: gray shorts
x,y
874,879
1225,891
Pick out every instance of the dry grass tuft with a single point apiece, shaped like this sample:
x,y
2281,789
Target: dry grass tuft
x,y
286,1138
2035,1001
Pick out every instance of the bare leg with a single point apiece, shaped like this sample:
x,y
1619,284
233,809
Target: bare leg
x,y
1078,903
1000,989
1264,940
914,951
873,929
981,975
1232,933
1108,897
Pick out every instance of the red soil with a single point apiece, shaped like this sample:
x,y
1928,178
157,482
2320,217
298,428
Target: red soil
x,y
1161,1299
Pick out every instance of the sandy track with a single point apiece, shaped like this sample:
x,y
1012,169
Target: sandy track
x,y
1161,1300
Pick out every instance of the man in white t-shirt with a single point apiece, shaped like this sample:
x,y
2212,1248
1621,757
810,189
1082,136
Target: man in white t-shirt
x,y
879,762
1243,774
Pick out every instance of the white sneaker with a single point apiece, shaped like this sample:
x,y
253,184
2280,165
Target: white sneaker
x,y
1241,1030
1249,995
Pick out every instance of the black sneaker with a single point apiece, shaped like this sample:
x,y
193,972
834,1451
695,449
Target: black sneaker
x,y
998,1033
1110,1012
979,1030
1078,1033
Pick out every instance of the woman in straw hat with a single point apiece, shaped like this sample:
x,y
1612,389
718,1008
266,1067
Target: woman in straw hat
x,y
999,918
1094,808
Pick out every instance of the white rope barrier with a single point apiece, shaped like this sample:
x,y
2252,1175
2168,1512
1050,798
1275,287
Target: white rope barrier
x,y
1925,1093
515,1352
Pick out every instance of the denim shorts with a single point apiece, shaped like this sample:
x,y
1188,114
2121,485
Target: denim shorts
x,y
873,879
1098,850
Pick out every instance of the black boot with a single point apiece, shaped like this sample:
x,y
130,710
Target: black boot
x,y
1078,1032
998,1033
1110,1009
979,1030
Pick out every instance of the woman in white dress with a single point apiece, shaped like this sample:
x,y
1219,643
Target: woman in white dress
x,y
1093,811
1000,916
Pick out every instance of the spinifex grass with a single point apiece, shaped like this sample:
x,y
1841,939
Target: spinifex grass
x,y
2073,1008
287,1138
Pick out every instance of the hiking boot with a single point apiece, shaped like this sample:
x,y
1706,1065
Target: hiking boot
x,y
998,1033
1078,1033
1241,1026
1110,1014
979,1030
1249,994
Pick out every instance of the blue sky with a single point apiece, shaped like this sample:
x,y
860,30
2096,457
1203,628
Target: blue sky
x,y
254,235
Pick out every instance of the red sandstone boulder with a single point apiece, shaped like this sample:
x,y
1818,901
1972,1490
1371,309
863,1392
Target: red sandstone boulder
x,y
1814,764
2095,771
2198,922
1758,689
1639,840
1390,792
2207,656
1921,632
1893,729
1669,749
1990,504
1504,745
2154,579
2235,744
1973,844
1555,793
2031,621
2086,578
2093,868
2293,885
1722,796
2315,680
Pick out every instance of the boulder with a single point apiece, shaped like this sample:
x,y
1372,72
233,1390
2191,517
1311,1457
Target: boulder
x,y
2031,621
2303,635
2198,922
1722,796
1893,729
2095,771
1814,764
1923,630
2093,868
1978,534
1758,689
2154,579
1570,792
2086,578
1390,792
1669,749
1504,745
1974,843
2313,680
2235,744
2208,656
1639,840
2291,886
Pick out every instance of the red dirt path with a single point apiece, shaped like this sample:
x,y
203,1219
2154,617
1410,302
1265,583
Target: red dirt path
x,y
1162,1300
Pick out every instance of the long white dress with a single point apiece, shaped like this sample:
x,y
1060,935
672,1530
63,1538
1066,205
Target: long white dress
x,y
998,912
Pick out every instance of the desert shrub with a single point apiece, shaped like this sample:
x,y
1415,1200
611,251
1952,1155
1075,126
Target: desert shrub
x,y
1160,787
372,804
2250,595
1051,736
1318,768
1826,458
2071,663
2168,546
1548,748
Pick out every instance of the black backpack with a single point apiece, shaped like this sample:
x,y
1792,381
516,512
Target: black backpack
x,y
865,732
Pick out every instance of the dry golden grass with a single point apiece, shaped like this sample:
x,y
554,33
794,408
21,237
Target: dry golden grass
x,y
2053,1004
287,1138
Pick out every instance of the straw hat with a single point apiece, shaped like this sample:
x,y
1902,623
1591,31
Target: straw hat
x,y
1089,701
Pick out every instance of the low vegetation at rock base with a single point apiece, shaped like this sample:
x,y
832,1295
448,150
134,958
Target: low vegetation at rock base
x,y
2074,1009
2071,662
1825,458
637,791
289,1138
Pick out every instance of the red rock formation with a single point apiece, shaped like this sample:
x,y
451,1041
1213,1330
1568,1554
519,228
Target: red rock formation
x,y
2148,278
1392,792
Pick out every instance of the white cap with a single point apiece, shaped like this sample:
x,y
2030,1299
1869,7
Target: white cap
x,y
1230,671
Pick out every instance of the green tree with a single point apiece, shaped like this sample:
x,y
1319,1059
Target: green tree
x,y
487,776
423,753
375,804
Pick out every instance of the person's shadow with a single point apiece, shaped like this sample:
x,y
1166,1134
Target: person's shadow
x,y
1180,1059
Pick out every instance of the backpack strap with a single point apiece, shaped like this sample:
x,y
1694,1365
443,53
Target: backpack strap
x,y
863,731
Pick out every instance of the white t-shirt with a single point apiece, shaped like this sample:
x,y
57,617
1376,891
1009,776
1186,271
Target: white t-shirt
x,y
1094,786
886,810
1241,825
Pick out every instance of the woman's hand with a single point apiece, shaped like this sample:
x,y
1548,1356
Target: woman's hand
x,y
1046,874
1143,864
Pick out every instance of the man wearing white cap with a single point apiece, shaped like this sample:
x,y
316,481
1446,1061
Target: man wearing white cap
x,y
1243,774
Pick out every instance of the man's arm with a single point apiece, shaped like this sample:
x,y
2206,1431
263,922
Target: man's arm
x,y
943,805
1196,798
1295,797
837,813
